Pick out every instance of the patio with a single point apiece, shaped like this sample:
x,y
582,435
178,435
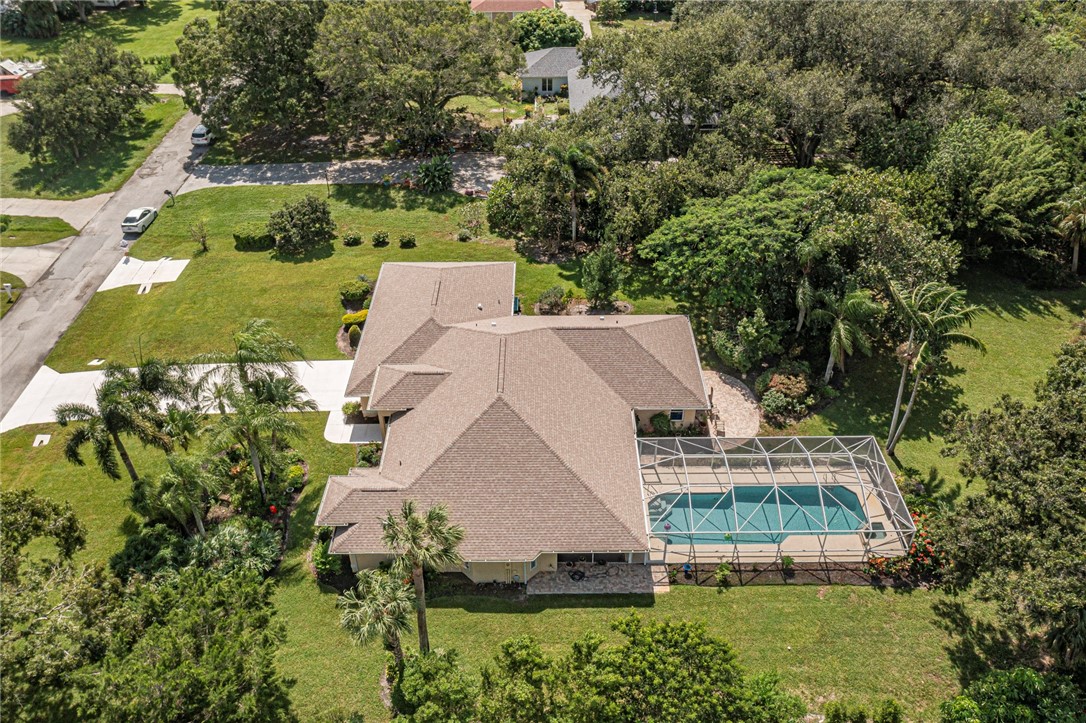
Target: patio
x,y
611,579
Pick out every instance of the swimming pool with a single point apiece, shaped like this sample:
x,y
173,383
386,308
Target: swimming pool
x,y
755,514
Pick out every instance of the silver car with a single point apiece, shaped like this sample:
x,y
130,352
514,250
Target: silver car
x,y
138,219
201,136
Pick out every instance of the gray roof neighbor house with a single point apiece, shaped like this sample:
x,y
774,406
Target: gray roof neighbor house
x,y
549,69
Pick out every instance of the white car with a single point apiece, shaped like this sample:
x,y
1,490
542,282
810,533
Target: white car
x,y
138,219
201,136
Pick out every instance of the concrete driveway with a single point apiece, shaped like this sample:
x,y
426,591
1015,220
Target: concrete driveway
x,y
576,10
30,262
78,213
45,311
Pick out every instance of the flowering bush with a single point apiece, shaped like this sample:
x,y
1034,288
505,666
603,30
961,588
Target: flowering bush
x,y
924,561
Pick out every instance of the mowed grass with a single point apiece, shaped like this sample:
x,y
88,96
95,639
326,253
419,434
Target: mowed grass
x,y
634,19
219,291
146,31
826,642
16,283
34,230
103,170
1022,328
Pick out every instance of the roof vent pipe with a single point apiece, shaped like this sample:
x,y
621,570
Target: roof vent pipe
x,y
493,323
479,306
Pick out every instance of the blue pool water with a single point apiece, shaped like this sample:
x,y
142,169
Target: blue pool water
x,y
755,514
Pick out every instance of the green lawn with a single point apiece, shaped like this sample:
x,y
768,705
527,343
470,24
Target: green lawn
x,y
147,32
634,19
16,283
826,642
103,171
219,291
33,230
1023,329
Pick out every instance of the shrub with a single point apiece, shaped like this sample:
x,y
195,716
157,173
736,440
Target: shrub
x,y
720,575
778,408
355,318
470,218
295,476
661,424
252,236
889,711
302,226
351,408
379,239
787,562
546,28
608,11
752,340
407,241
369,455
463,235
924,561
325,563
240,543
354,335
352,239
602,275
5,221
552,301
353,292
153,550
198,233
839,712
435,174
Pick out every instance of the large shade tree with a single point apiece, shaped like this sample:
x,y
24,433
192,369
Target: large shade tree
x,y
392,67
420,542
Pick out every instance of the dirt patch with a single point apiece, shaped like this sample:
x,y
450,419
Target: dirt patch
x,y
344,344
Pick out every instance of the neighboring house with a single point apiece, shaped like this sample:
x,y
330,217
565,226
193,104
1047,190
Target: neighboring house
x,y
527,428
553,71
13,73
508,8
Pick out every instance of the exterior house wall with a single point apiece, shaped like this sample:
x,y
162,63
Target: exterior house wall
x,y
645,415
484,572
367,561
530,86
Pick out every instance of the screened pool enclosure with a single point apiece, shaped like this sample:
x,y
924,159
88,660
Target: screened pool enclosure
x,y
813,499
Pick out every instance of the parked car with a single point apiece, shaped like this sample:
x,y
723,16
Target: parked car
x,y
201,136
138,219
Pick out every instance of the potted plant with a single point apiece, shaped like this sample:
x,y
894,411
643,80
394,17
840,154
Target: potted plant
x,y
386,180
786,566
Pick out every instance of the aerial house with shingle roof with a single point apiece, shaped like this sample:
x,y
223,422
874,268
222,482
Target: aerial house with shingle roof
x,y
526,427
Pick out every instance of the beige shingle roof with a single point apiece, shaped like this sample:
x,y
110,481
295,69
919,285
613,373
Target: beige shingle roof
x,y
523,426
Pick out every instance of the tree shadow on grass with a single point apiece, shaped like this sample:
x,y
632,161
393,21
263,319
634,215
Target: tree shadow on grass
x,y
323,251
1007,296
979,646
121,25
368,197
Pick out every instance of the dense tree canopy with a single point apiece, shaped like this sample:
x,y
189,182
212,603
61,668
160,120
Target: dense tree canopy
x,y
393,67
546,28
91,92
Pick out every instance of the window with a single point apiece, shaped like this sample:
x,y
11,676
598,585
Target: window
x,y
467,567
534,564
548,85
676,415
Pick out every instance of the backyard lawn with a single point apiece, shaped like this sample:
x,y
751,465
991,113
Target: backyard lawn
x,y
221,290
33,230
104,170
634,19
1023,329
826,642
148,31
16,283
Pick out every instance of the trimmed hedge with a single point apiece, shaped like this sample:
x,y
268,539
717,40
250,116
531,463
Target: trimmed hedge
x,y
358,317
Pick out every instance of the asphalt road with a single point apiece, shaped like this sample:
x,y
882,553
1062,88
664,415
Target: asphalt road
x,y
30,330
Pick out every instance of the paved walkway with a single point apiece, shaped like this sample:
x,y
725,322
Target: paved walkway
x,y
610,579
29,263
735,408
324,381
32,327
576,10
78,213
7,107
470,171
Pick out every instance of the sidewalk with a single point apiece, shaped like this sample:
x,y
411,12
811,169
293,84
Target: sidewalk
x,y
78,213
470,171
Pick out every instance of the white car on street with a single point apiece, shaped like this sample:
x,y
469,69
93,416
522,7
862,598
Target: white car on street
x,y
138,219
201,136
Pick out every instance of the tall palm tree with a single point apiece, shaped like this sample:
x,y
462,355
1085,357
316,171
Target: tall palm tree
x,y
251,423
578,172
936,314
379,606
846,318
420,542
119,409
1071,222
258,349
186,488
282,392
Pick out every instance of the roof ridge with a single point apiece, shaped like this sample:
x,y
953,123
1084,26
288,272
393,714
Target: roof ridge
x,y
562,462
655,358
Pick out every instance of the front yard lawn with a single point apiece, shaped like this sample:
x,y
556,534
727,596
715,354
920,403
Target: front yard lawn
x,y
1023,329
221,290
634,19
826,642
103,171
33,230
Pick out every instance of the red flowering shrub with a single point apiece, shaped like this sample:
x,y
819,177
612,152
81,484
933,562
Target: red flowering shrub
x,y
924,561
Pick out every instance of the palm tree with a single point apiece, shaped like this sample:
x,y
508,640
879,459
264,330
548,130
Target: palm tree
x,y
577,171
182,425
936,313
257,349
1071,222
421,542
379,606
252,424
119,409
185,489
847,318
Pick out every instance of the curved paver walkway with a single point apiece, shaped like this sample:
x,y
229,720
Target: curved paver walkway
x,y
470,171
29,263
735,408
